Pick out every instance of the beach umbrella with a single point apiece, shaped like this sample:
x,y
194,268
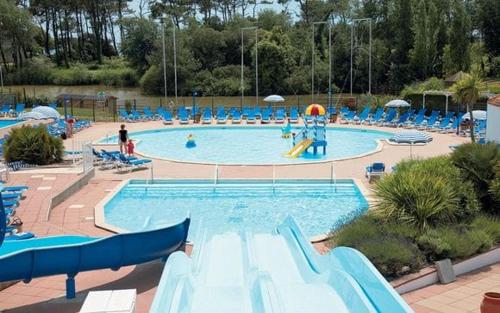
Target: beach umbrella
x,y
397,104
315,110
411,136
31,116
477,115
48,112
274,98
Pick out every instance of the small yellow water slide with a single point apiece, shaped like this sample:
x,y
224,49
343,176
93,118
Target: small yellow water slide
x,y
299,148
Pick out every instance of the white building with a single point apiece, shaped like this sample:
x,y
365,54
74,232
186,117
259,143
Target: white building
x,y
493,123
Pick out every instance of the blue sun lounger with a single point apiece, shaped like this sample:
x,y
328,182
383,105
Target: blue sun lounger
x,y
363,116
375,170
431,120
236,117
251,117
221,116
167,117
19,109
280,116
131,163
294,115
376,117
206,118
183,116
5,109
149,114
389,117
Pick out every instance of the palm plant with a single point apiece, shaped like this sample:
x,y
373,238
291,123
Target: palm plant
x,y
466,92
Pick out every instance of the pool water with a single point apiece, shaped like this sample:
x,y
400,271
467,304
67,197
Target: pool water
x,y
7,123
248,145
235,206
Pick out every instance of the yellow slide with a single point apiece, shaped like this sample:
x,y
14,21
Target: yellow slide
x,y
299,148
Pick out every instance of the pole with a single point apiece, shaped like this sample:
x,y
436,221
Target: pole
x,y
1,79
330,65
242,82
175,63
312,65
256,67
352,47
164,58
370,61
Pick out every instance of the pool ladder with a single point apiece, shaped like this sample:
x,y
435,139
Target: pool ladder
x,y
216,175
333,177
274,178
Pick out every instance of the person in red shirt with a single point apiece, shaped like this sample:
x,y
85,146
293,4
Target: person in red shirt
x,y
130,147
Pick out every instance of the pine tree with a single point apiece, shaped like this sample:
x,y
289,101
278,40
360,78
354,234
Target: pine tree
x,y
459,39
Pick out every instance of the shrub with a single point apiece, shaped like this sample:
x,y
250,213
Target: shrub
x,y
454,242
477,163
490,224
152,80
37,70
33,145
425,193
388,246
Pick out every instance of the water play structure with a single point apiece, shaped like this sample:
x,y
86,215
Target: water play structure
x,y
310,136
38,257
278,272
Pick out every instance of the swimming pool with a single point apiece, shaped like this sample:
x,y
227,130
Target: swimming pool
x,y
248,145
318,206
8,123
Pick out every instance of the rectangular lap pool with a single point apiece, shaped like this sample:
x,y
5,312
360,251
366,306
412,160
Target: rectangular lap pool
x,y
318,206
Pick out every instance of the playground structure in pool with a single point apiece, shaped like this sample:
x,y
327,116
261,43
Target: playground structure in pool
x,y
281,272
310,136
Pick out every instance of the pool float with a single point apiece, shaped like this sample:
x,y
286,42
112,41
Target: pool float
x,y
286,131
190,143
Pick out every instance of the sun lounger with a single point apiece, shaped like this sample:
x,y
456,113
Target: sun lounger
x,y
236,117
375,170
14,188
376,117
221,116
251,118
131,163
167,117
207,116
363,116
294,115
280,117
19,109
148,113
389,117
5,109
183,117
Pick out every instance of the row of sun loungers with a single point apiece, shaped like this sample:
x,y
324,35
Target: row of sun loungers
x,y
119,161
11,198
59,127
408,119
8,110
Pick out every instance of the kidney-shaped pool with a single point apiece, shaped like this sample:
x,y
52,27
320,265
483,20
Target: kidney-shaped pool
x,y
248,145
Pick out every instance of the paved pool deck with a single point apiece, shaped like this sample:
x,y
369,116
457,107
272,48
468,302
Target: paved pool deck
x,y
76,216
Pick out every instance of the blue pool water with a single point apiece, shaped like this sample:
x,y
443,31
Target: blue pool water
x,y
7,123
248,145
235,206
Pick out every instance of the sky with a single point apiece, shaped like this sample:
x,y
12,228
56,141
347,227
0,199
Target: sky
x,y
292,7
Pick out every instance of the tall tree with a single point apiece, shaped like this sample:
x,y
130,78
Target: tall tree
x,y
457,53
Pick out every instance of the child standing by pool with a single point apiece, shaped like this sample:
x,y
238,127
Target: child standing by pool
x,y
130,147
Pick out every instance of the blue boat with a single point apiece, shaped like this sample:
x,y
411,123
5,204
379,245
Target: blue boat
x,y
70,255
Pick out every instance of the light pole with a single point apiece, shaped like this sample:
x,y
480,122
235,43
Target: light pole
x,y
162,21
256,64
175,62
1,79
313,59
369,20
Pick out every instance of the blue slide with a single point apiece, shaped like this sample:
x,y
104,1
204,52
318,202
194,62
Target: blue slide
x,y
281,272
38,257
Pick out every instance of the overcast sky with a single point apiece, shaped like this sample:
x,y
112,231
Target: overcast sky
x,y
292,7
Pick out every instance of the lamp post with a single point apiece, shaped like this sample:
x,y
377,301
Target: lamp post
x,y
1,79
256,65
369,20
313,59
162,21
175,62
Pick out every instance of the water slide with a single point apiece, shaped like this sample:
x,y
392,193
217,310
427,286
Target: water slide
x,y
278,273
299,148
38,257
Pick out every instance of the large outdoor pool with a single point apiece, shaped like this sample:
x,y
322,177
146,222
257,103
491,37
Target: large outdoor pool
x,y
7,123
248,145
235,206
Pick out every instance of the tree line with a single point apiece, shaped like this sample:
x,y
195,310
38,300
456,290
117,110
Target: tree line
x,y
412,40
